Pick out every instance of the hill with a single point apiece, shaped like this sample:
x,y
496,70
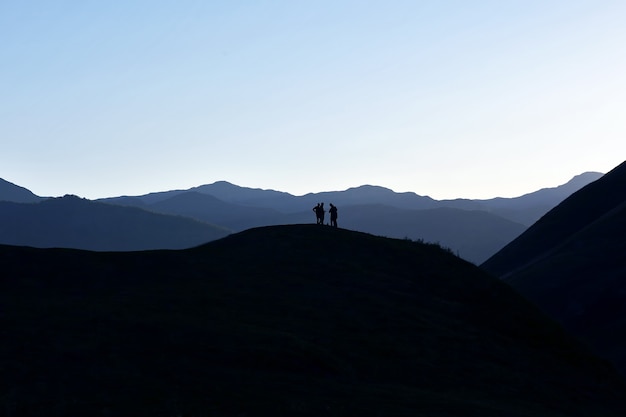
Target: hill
x,y
572,264
72,222
299,320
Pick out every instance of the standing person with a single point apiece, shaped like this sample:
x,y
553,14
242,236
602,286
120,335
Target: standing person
x,y
316,209
321,213
333,215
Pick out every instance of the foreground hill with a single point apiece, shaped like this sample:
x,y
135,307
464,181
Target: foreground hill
x,y
572,264
72,222
290,320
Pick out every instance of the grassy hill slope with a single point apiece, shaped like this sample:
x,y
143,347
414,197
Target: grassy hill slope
x,y
299,320
581,284
571,263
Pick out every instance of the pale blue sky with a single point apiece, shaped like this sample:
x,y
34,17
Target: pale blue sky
x,y
471,99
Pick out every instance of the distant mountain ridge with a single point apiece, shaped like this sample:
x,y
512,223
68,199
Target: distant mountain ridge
x,y
73,222
372,209
524,209
208,208
528,208
474,229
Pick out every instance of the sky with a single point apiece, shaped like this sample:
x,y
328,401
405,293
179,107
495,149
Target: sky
x,y
472,99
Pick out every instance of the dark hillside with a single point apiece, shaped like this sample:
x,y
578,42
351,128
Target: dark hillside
x,y
572,264
581,284
284,321
573,214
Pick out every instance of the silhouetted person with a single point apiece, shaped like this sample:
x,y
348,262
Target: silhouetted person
x,y
320,213
317,210
333,215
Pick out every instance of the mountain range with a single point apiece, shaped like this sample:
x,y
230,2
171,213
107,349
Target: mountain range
x,y
474,229
308,320
525,209
572,264
300,320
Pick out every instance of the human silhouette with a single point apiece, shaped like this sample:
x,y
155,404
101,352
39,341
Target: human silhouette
x,y
333,215
317,210
320,213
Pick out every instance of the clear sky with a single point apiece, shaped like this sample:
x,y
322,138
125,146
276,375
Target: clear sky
x,y
445,98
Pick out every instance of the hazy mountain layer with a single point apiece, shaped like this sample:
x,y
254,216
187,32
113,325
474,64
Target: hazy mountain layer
x,y
71,222
528,208
210,209
474,235
525,209
290,320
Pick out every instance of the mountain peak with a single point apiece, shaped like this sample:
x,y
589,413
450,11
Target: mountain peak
x,y
371,189
585,178
15,193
